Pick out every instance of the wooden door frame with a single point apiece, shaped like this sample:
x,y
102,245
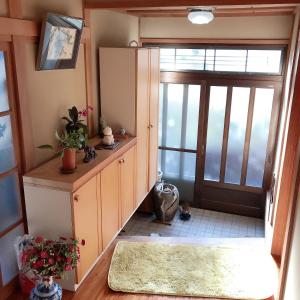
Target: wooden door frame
x,y
271,146
200,78
290,226
6,48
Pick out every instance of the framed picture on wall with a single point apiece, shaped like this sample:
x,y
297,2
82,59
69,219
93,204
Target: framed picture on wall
x,y
59,42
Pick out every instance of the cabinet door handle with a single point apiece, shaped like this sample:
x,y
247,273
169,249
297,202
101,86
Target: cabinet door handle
x,y
83,242
121,160
150,126
76,198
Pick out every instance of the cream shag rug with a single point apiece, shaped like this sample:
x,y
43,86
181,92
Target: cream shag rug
x,y
192,270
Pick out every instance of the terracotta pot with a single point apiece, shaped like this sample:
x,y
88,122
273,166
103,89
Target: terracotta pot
x,y
69,159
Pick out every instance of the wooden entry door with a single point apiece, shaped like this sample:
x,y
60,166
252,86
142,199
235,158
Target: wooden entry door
x,y
236,146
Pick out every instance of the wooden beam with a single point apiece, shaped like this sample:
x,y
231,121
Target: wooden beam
x,y
187,41
218,12
18,44
86,35
108,4
283,272
15,8
283,187
88,72
27,28
248,136
226,133
286,186
10,26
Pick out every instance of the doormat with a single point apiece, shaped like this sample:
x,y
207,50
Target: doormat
x,y
192,270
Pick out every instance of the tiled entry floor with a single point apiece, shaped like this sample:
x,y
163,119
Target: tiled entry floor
x,y
203,223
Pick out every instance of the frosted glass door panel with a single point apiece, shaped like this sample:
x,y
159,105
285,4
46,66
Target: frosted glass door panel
x,y
215,128
189,166
7,158
174,115
171,166
8,262
237,131
10,209
3,85
192,117
259,136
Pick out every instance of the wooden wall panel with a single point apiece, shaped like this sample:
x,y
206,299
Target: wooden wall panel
x,y
18,44
288,170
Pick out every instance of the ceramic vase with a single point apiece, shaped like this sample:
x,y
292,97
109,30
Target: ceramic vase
x,y
46,290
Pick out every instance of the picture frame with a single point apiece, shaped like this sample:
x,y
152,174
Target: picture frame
x,y
59,42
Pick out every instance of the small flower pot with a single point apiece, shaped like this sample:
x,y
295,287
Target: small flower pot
x,y
69,160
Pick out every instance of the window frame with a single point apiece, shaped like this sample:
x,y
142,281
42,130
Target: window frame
x,y
180,149
282,47
6,48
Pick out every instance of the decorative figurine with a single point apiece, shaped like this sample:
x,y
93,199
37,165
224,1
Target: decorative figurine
x,y
185,212
108,138
122,131
90,154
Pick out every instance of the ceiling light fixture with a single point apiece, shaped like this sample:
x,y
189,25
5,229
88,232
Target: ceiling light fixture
x,y
200,16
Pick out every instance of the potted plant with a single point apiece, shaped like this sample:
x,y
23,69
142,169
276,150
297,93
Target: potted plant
x,y
68,143
72,139
74,123
49,260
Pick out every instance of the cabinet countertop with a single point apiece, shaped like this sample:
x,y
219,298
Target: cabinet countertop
x,y
49,175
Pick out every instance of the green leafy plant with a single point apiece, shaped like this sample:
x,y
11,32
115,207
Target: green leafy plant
x,y
72,140
73,121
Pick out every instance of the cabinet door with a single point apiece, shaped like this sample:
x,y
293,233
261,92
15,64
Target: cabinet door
x,y
110,202
127,186
118,87
142,124
85,225
99,208
153,115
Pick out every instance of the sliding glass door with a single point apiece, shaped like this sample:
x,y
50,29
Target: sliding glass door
x,y
11,212
178,135
217,140
237,146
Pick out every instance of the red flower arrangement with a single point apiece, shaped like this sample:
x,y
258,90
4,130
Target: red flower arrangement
x,y
47,258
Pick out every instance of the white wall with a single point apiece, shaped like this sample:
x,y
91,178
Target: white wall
x,y
271,27
292,290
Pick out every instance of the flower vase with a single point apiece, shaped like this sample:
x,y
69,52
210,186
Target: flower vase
x,y
46,290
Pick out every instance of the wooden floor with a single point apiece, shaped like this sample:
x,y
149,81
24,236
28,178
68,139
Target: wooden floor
x,y
95,286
